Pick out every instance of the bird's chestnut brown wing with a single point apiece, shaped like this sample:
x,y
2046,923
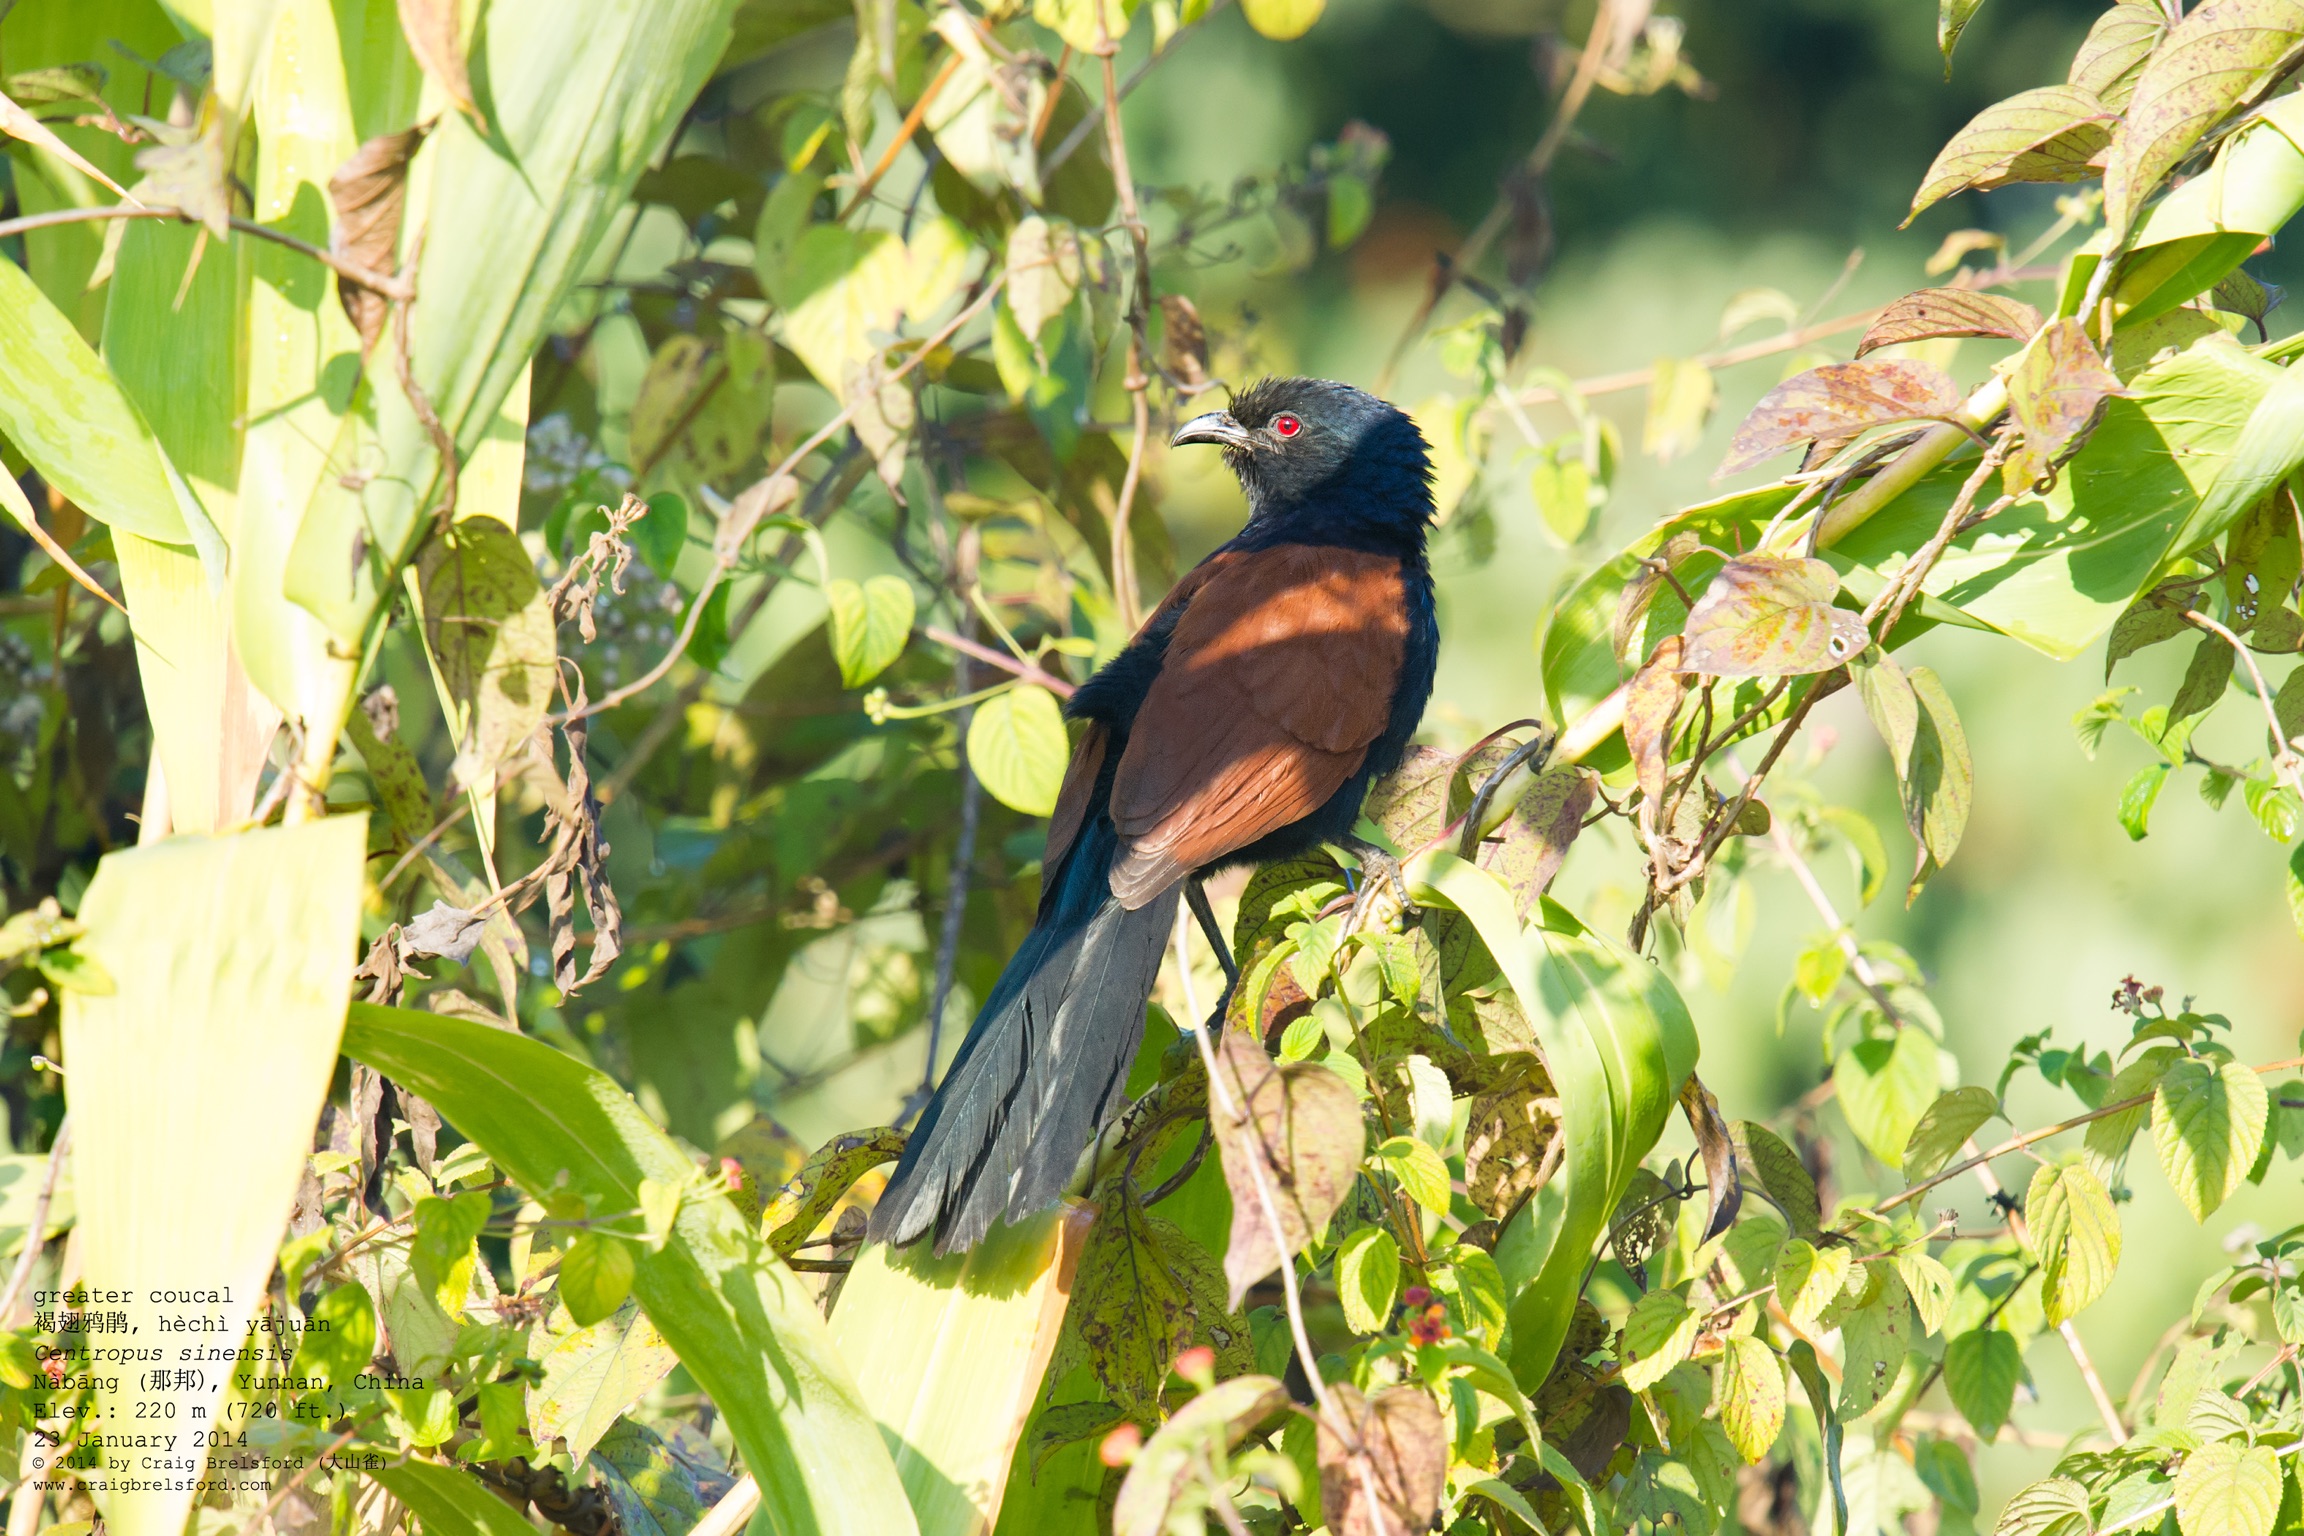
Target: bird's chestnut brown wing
x,y
1279,676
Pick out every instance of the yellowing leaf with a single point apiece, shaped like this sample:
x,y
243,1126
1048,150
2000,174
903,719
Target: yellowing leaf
x,y
2075,1235
1885,1085
1017,747
2056,387
2051,133
1680,402
2227,1489
2113,54
1420,1171
1043,272
1750,1394
1368,1278
1834,402
2208,1123
1657,1336
1283,19
1934,312
595,1276
1771,616
871,624
847,290
2216,58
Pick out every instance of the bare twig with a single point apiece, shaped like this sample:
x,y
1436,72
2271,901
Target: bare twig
x,y
904,135
725,560
733,1511
390,287
2285,764
1000,659
36,1232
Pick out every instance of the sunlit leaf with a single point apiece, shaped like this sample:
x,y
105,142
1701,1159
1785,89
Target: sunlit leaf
x,y
1680,402
1657,1336
2051,133
2226,1489
2217,57
1402,1457
2056,387
2207,1122
1934,312
1368,1278
1651,704
1981,1369
2113,54
1017,747
1770,616
2075,1235
1836,400
1750,1391
1944,1128
871,624
1885,1085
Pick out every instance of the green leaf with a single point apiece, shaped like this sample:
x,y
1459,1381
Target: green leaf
x,y
1890,703
489,626
444,1250
2208,1122
2108,1138
1017,746
1981,1369
2109,60
2212,61
1044,260
1419,1169
2058,1506
1817,969
1945,1128
1561,485
2137,798
1618,1042
1939,783
1884,1087
268,922
871,623
592,1374
421,1415
1368,1278
659,1208
1782,1176
654,1490
596,1276
581,96
1874,1340
663,533
2269,449
448,1501
61,407
1952,18
2226,1489
342,1349
1658,1335
1680,402
2075,1235
746,1329
1929,1284
1750,1392
1810,1278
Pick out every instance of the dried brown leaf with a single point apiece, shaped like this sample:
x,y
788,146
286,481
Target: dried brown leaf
x,y
1294,1133
1183,341
1934,312
2113,55
1542,826
1651,703
1512,1141
1402,1457
1838,399
1723,1186
1771,616
2051,133
436,36
370,193
2218,58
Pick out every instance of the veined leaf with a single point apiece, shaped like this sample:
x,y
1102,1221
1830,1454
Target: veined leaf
x,y
1934,312
1292,1134
1619,1044
1837,400
1017,746
2208,1122
2115,49
871,623
231,959
747,1330
1770,616
2228,1489
1751,1394
2270,447
2213,60
2075,1235
1368,1278
1657,1336
1885,1086
1981,1369
1944,1128
2051,133
949,1353
449,1501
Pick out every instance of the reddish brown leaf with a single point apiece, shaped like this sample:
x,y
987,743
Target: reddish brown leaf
x,y
369,193
1934,312
1771,616
1543,825
2055,388
1293,1133
2053,133
1723,1186
435,35
1402,1458
1651,702
1835,400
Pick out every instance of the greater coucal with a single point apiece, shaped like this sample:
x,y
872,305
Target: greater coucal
x,y
1241,725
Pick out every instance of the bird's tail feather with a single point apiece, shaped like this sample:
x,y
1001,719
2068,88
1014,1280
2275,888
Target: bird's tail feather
x,y
1043,1067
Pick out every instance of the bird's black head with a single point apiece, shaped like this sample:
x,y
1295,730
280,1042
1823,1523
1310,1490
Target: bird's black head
x,y
1325,459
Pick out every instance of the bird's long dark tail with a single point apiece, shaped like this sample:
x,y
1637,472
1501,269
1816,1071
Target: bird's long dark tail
x,y
1043,1067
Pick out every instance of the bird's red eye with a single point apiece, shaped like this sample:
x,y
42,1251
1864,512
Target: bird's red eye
x,y
1286,426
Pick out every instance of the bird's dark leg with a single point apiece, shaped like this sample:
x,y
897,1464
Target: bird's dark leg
x,y
1382,886
1196,897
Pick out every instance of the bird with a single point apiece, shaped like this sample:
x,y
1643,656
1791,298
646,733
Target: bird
x,y
1241,724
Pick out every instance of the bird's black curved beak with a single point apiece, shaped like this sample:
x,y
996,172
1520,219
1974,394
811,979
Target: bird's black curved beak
x,y
1215,427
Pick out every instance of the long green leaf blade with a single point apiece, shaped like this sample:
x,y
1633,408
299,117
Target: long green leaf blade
x,y
745,1327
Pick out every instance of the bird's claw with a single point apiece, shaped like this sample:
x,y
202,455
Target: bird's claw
x,y
1381,900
